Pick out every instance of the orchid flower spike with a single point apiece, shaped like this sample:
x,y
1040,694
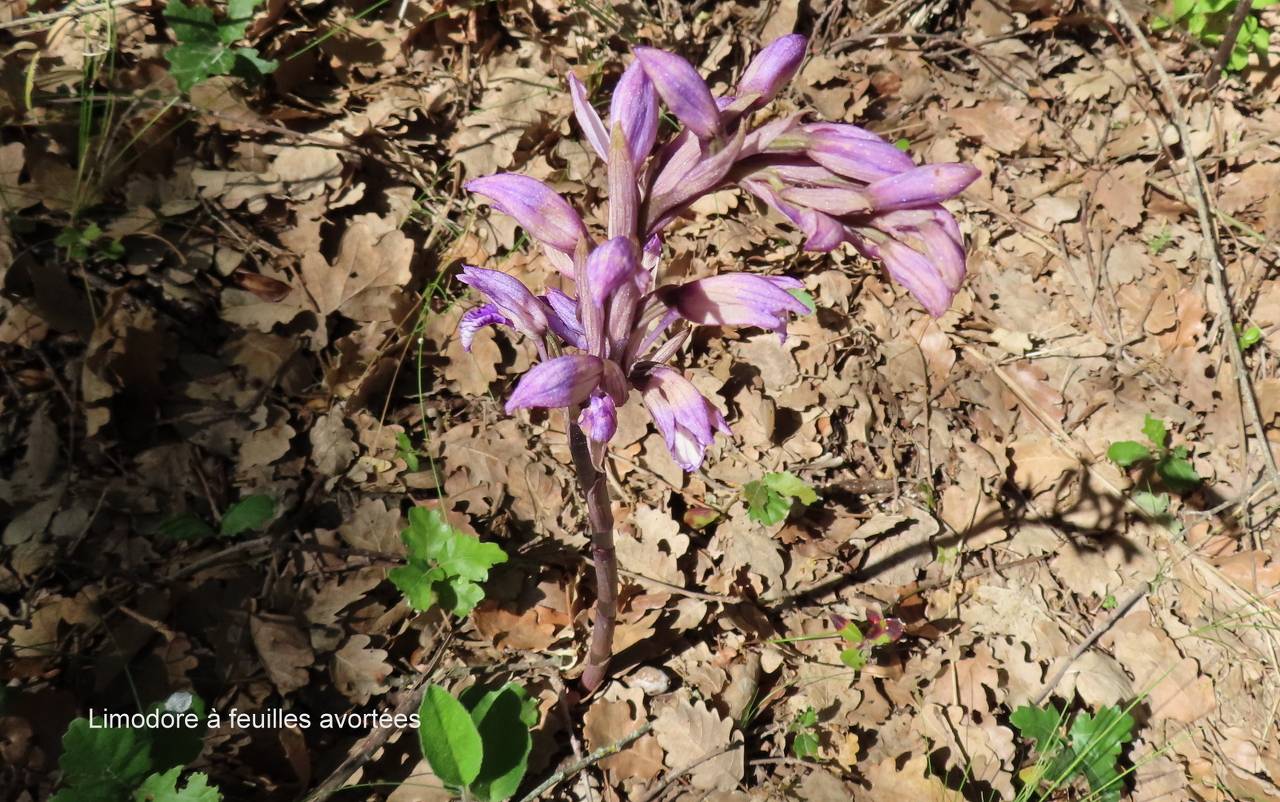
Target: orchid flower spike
x,y
615,329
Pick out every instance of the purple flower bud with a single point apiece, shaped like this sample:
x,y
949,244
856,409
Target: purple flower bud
x,y
854,152
510,297
599,418
682,89
475,319
608,267
686,420
544,214
921,186
635,107
736,299
592,128
560,382
773,67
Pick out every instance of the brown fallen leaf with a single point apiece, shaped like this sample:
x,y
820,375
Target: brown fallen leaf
x,y
284,652
359,671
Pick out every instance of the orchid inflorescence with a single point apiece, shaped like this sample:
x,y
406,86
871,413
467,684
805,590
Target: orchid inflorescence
x,y
837,182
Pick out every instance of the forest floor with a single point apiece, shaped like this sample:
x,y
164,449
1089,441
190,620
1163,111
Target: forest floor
x,y
240,296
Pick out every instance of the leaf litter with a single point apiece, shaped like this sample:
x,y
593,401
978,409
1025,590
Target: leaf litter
x,y
284,309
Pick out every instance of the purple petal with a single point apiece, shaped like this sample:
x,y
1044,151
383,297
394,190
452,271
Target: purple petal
x,y
475,319
608,267
686,420
773,67
823,232
599,418
544,214
933,232
921,186
635,107
564,320
511,297
736,299
560,382
836,201
673,190
908,267
682,89
592,128
854,152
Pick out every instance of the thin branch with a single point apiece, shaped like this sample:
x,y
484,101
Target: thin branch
x,y
69,11
1098,631
666,783
1217,272
579,765
1243,7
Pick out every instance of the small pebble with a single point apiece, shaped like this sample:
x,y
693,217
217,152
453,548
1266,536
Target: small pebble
x,y
651,681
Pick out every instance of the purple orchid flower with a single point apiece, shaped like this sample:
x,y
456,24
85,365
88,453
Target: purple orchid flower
x,y
618,327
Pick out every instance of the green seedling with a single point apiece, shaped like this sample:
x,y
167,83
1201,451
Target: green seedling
x,y
126,764
445,566
249,514
1090,749
1208,20
88,244
1169,464
478,744
1248,338
804,727
204,46
769,499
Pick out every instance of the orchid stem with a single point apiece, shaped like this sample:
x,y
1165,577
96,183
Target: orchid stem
x,y
595,490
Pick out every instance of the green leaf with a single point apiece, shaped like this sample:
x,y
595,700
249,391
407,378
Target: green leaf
x,y
459,596
189,64
1250,336
498,717
1126,452
788,484
804,297
239,15
850,633
1040,724
902,144
417,584
854,658
1178,473
1097,740
1153,504
248,514
249,65
406,451
763,504
1155,431
469,558
450,741
806,720
428,534
164,788
805,745
99,763
187,526
191,24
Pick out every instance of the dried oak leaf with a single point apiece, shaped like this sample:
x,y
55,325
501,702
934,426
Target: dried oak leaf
x,y
609,722
332,444
688,731
358,671
284,652
371,266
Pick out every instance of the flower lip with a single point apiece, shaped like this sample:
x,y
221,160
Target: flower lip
x,y
685,418
510,297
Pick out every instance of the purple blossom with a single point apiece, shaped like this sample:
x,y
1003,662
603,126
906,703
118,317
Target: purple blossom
x,y
615,328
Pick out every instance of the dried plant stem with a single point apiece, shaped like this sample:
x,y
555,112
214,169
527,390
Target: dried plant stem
x,y
1228,43
595,490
